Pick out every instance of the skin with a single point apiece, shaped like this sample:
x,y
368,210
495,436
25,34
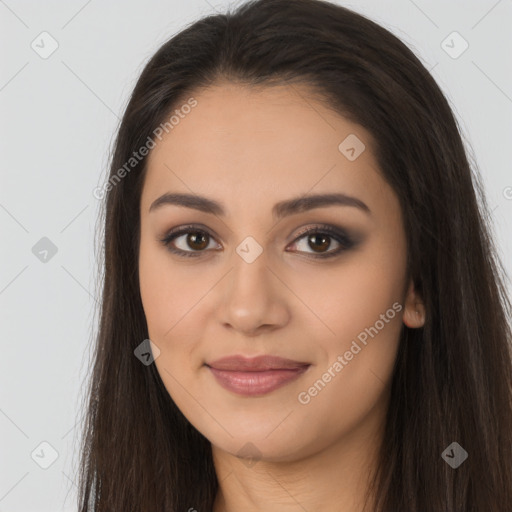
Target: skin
x,y
248,149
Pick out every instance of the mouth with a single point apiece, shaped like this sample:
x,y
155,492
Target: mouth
x,y
255,376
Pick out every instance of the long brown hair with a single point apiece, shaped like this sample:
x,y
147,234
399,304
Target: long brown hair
x,y
452,381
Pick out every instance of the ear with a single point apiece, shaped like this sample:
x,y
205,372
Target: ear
x,y
414,311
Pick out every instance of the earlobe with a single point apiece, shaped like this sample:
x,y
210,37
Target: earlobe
x,y
414,312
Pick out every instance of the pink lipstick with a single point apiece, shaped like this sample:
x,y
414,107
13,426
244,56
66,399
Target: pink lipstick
x,y
256,375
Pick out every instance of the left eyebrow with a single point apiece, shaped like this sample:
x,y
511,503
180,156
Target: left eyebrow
x,y
280,210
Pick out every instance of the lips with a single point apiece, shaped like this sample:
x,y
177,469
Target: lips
x,y
255,376
255,364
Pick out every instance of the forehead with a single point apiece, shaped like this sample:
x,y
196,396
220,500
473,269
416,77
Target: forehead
x,y
269,143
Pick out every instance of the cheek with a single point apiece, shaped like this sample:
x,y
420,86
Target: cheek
x,y
167,294
171,296
155,290
351,386
365,313
168,299
352,296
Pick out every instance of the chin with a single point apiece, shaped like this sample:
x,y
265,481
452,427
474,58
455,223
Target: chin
x,y
282,446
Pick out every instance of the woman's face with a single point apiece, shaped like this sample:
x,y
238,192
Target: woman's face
x,y
244,277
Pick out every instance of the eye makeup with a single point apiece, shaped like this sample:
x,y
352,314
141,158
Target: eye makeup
x,y
322,235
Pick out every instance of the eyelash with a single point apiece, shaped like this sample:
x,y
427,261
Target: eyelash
x,y
340,236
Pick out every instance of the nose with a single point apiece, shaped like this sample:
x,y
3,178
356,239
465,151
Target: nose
x,y
253,298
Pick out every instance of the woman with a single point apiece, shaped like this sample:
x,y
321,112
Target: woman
x,y
302,307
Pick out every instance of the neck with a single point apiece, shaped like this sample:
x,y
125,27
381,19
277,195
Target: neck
x,y
336,478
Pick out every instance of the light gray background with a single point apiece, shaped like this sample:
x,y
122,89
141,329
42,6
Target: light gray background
x,y
58,118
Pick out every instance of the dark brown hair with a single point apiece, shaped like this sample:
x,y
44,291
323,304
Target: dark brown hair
x,y
453,378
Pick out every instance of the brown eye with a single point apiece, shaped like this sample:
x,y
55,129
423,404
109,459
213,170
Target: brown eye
x,y
188,241
319,242
320,239
192,242
197,240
